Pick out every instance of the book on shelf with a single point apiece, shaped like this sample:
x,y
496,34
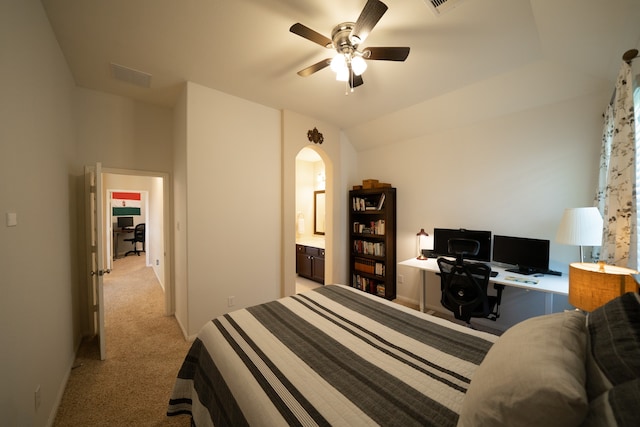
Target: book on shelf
x,y
365,265
379,269
366,284
369,266
363,204
359,204
381,201
368,248
375,227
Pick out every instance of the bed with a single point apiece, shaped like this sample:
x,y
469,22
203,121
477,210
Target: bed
x,y
338,356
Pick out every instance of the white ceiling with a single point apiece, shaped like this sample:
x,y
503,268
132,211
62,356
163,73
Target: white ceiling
x,y
481,59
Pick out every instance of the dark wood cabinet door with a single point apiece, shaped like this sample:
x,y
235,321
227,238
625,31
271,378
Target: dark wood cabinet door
x,y
310,263
303,264
318,267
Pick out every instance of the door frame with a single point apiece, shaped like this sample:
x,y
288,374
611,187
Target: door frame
x,y
108,221
167,213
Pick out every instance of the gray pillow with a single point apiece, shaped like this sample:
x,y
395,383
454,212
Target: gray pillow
x,y
613,355
618,406
533,375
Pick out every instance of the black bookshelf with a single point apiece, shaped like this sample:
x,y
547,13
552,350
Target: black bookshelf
x,y
372,239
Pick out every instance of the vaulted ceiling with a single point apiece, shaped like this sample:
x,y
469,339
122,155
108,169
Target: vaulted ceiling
x,y
481,59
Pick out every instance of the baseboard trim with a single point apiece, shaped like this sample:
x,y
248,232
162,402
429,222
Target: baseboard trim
x,y
187,337
63,386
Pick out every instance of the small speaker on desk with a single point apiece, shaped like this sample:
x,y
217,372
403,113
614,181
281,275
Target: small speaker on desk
x,y
429,253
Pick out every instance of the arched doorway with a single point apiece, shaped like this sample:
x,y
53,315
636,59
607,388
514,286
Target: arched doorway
x,y
310,178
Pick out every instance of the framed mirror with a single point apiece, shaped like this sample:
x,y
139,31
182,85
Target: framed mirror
x,y
318,212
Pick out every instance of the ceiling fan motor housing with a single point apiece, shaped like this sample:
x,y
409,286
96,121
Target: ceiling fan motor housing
x,y
341,38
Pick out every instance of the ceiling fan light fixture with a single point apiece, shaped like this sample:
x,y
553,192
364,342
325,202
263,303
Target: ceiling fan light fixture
x,y
342,75
358,65
339,63
350,63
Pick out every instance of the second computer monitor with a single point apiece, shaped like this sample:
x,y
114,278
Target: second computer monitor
x,y
125,221
527,255
441,238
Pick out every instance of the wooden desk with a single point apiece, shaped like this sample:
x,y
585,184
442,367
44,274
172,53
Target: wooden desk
x,y
116,237
548,284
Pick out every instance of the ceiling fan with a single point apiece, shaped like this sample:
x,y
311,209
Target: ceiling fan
x,y
349,62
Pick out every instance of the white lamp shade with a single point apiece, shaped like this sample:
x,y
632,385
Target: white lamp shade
x,y
359,65
342,75
338,63
580,227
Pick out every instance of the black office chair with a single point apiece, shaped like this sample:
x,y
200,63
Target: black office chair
x,y
138,236
464,284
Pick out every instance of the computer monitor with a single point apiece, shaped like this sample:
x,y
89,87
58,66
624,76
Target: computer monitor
x,y
125,221
441,238
527,255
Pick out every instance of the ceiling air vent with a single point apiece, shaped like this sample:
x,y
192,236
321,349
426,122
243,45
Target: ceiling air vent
x,y
130,75
439,7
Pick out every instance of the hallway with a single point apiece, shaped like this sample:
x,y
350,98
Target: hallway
x,y
145,349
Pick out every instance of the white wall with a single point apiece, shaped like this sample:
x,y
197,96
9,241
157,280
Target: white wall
x,y
37,257
156,249
349,177
513,175
234,203
338,157
179,226
122,134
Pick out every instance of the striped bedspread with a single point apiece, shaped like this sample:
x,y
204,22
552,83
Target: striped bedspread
x,y
331,356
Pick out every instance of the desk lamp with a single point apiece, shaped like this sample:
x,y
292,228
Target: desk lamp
x,y
421,243
580,227
593,285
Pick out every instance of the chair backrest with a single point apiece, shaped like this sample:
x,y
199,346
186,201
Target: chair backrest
x,y
464,284
139,232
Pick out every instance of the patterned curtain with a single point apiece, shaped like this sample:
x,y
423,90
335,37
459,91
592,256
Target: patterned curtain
x,y
616,196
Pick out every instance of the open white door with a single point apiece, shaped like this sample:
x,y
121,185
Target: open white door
x,y
95,255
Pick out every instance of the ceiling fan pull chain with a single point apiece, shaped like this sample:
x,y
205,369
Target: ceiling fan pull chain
x,y
351,76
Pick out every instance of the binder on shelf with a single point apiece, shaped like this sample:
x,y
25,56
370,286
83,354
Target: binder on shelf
x,y
365,265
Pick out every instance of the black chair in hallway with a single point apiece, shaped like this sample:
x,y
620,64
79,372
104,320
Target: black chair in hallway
x,y
138,236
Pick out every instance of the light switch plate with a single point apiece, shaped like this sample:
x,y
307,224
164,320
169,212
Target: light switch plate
x,y
12,219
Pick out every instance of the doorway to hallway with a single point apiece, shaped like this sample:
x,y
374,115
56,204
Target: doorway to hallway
x,y
155,214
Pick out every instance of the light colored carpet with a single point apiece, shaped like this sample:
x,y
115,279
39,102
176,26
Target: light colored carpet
x,y
145,349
